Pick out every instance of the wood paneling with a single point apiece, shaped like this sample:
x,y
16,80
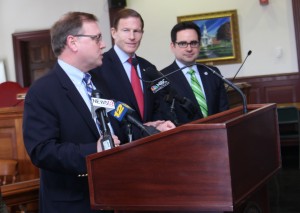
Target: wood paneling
x,y
11,142
279,88
24,193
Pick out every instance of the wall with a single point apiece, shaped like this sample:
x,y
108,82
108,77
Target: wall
x,y
263,29
29,15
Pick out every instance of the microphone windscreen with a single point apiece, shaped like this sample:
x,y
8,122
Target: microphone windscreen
x,y
159,81
120,111
96,93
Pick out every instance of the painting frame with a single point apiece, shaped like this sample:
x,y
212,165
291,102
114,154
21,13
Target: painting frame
x,y
220,41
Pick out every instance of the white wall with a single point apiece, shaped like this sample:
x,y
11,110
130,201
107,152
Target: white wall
x,y
28,15
263,29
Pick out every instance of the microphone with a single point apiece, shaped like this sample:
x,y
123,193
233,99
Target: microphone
x,y
163,86
100,108
249,53
161,76
229,84
159,81
123,112
170,94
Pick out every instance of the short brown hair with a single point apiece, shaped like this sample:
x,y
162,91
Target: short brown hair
x,y
126,13
70,24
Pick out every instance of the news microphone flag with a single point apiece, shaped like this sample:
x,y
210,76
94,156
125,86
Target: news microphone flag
x,y
120,110
103,103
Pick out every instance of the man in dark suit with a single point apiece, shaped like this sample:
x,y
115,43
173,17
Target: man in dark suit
x,y
116,78
185,44
59,129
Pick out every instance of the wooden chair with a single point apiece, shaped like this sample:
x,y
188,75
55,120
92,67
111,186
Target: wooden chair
x,y
8,171
12,94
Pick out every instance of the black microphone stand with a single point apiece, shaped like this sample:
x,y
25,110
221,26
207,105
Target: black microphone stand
x,y
129,131
249,53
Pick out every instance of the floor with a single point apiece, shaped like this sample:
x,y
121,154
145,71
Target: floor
x,y
284,188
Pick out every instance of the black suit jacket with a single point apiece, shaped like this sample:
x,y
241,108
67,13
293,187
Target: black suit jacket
x,y
59,132
214,88
112,80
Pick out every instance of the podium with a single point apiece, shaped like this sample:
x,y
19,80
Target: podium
x,y
216,164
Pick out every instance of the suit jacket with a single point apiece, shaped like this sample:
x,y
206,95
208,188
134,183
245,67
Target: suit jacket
x,y
112,80
59,132
214,88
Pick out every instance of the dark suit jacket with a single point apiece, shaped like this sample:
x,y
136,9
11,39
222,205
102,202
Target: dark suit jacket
x,y
112,80
59,133
214,88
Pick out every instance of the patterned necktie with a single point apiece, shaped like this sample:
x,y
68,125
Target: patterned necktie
x,y
198,93
88,84
89,89
137,88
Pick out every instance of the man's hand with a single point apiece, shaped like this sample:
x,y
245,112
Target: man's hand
x,y
114,137
117,142
161,125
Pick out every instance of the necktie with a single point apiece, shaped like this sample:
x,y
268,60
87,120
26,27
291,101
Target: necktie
x,y
89,89
137,89
198,93
88,84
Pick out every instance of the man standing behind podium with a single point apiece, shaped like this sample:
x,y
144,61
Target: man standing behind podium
x,y
59,130
196,83
118,77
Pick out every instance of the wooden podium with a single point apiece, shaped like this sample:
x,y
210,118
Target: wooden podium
x,y
218,164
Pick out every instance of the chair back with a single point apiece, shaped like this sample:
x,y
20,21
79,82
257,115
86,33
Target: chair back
x,y
8,171
12,94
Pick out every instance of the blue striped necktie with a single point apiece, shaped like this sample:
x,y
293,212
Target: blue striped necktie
x,y
88,84
89,89
198,92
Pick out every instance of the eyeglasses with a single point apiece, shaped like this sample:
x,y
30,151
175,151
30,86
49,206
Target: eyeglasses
x,y
96,38
184,44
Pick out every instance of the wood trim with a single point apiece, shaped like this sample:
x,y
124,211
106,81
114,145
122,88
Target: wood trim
x,y
22,196
20,41
280,88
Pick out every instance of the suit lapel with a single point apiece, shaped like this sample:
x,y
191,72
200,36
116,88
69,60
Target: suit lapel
x,y
180,81
148,97
124,84
75,98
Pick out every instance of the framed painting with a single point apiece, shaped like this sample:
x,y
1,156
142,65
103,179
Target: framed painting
x,y
220,41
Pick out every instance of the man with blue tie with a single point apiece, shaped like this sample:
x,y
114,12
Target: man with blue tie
x,y
59,129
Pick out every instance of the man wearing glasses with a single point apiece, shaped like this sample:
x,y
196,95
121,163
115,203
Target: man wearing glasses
x,y
196,83
58,127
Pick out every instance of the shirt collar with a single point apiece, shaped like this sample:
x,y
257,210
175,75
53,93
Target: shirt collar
x,y
185,70
121,54
74,74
